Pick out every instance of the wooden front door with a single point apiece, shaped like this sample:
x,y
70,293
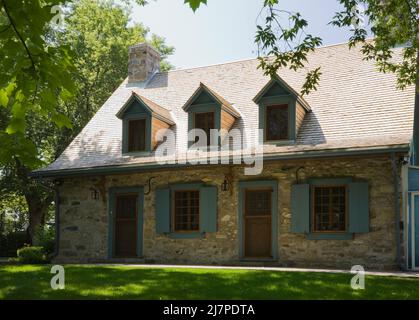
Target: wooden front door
x,y
258,223
126,225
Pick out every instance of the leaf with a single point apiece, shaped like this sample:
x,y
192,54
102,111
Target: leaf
x,y
4,99
16,125
61,120
195,4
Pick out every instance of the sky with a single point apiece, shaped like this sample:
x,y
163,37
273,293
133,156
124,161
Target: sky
x,y
224,30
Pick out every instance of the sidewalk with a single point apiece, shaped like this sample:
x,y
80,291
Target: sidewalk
x,y
404,274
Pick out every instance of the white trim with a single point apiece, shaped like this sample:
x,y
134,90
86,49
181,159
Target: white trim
x,y
413,194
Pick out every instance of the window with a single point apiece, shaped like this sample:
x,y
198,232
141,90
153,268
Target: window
x,y
136,135
329,209
258,202
186,211
204,121
276,123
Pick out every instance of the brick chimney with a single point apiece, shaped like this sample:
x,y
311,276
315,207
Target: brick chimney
x,y
143,62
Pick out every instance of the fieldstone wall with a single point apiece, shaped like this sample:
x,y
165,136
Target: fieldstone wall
x,y
143,61
84,221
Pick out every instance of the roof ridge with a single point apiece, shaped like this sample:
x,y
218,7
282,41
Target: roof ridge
x,y
248,59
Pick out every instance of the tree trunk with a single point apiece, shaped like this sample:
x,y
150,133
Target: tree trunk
x,y
37,210
38,198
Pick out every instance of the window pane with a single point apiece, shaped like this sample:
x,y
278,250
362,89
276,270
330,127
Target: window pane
x,y
126,206
277,122
258,202
329,208
186,211
204,121
136,135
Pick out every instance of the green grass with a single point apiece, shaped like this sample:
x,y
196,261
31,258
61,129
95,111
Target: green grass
x,y
109,282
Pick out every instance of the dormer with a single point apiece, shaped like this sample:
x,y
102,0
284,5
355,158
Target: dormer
x,y
141,120
281,112
208,110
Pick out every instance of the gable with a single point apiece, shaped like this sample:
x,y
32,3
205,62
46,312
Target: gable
x,y
135,107
203,98
276,89
139,105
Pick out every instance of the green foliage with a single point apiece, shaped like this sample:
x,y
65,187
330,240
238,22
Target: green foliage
x,y
195,4
41,64
297,44
31,255
34,74
97,34
13,211
393,23
46,238
12,241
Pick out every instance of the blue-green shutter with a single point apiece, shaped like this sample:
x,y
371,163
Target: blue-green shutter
x,y
359,218
300,208
162,211
208,209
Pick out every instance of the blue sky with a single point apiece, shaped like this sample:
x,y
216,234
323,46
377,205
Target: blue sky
x,y
224,30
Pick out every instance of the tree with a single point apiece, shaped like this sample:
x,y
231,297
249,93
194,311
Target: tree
x,y
35,72
98,35
393,23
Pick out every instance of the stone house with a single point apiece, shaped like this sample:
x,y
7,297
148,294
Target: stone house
x,y
224,165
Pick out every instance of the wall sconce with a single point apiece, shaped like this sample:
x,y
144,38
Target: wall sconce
x,y
94,194
225,185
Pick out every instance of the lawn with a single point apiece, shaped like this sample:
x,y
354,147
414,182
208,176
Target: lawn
x,y
117,282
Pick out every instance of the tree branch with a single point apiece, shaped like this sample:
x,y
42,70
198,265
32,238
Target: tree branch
x,y
5,29
18,34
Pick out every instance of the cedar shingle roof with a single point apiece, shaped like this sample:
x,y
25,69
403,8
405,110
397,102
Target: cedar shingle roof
x,y
224,103
355,107
155,109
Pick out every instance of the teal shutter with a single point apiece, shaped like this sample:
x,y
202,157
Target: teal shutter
x,y
300,208
162,211
359,218
208,209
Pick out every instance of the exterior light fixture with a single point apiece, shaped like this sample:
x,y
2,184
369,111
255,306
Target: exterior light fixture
x,y
224,185
94,194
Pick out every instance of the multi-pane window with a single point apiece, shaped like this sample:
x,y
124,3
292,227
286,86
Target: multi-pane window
x,y
136,135
276,125
204,121
329,208
258,202
186,211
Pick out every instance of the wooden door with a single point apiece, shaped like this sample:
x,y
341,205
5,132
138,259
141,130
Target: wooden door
x,y
258,223
126,225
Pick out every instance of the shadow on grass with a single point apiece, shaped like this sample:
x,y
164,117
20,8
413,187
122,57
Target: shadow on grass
x,y
98,282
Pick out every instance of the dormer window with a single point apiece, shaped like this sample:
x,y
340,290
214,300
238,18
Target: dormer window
x,y
141,120
207,110
277,118
205,121
281,112
136,135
